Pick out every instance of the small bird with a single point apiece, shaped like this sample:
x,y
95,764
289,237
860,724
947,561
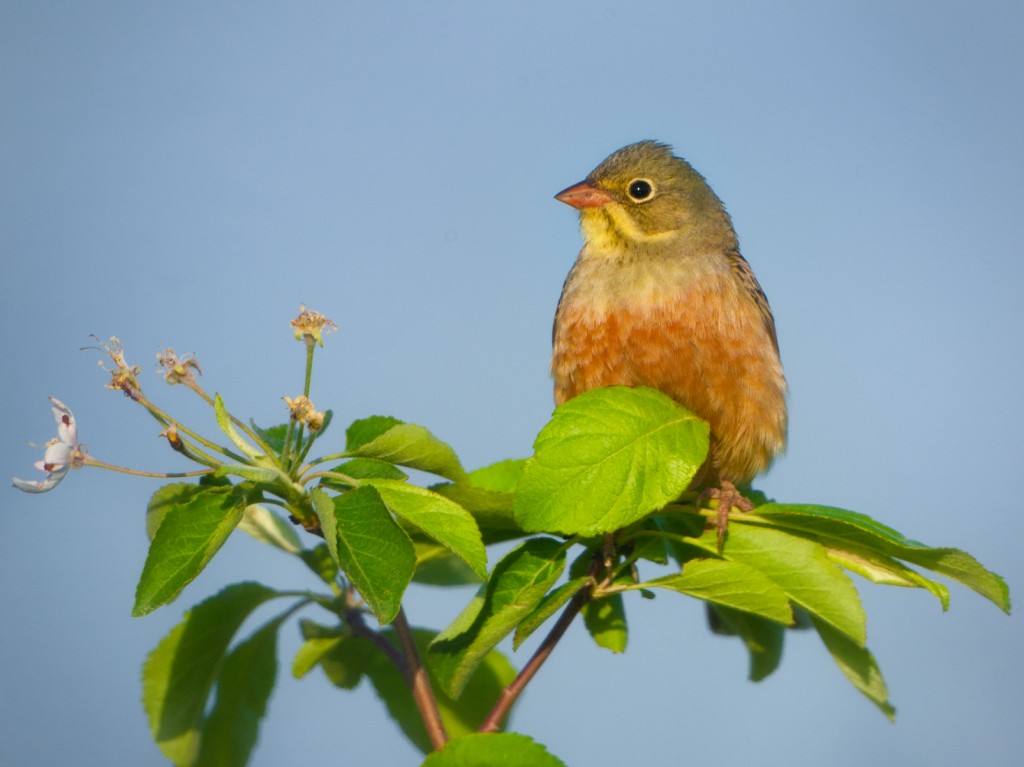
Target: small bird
x,y
660,296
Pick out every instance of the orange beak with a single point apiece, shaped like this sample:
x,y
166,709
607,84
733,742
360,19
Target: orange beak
x,y
584,195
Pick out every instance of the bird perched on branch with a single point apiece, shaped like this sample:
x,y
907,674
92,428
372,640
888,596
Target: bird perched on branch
x,y
660,296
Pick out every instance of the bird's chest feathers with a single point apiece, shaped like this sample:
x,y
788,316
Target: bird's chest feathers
x,y
651,324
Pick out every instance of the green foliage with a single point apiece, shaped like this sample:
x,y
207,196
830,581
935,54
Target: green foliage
x,y
165,499
731,584
346,659
857,663
552,602
494,750
186,539
369,546
607,459
180,672
266,526
879,547
436,517
405,444
500,477
226,426
605,620
243,686
364,468
799,567
517,585
763,637
608,486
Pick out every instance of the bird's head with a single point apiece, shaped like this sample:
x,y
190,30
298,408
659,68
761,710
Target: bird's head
x,y
643,195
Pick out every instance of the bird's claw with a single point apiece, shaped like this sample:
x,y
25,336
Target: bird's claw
x,y
728,498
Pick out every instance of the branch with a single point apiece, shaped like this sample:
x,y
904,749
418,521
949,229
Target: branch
x,y
416,675
409,665
509,695
355,621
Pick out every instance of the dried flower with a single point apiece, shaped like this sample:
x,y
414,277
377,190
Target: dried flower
x,y
302,410
123,377
178,369
312,326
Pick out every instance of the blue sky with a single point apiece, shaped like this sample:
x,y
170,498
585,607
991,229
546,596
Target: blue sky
x,y
186,174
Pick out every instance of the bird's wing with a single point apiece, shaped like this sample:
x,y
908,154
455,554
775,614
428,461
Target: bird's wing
x,y
746,278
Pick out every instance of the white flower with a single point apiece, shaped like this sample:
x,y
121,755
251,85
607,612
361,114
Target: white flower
x,y
62,452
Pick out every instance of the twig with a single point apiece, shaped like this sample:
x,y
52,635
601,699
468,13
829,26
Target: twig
x,y
508,696
354,618
408,663
418,680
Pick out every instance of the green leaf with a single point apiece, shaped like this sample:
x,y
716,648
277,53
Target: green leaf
x,y
344,659
437,566
244,685
732,584
165,499
310,629
226,426
800,567
857,664
488,494
608,458
365,430
362,468
878,568
515,588
369,547
650,548
436,517
274,436
186,540
678,529
245,471
500,477
267,527
480,502
549,605
368,468
319,560
499,749
311,652
838,528
762,637
605,619
388,439
180,671
962,567
491,510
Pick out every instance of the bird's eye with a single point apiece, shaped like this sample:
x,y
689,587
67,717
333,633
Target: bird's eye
x,y
640,189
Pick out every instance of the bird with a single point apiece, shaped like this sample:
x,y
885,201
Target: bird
x,y
659,296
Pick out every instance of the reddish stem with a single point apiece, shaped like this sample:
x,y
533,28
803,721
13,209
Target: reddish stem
x,y
419,682
509,695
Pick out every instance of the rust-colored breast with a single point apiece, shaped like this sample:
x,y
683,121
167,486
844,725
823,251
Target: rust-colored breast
x,y
707,346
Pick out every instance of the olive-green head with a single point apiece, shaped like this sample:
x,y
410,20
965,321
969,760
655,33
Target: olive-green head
x,y
643,192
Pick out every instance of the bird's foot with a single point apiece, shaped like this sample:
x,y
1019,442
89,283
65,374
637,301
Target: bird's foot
x,y
728,498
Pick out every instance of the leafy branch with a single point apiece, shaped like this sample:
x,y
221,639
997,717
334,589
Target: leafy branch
x,y
600,512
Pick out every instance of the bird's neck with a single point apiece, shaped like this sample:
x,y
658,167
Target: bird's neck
x,y
609,233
